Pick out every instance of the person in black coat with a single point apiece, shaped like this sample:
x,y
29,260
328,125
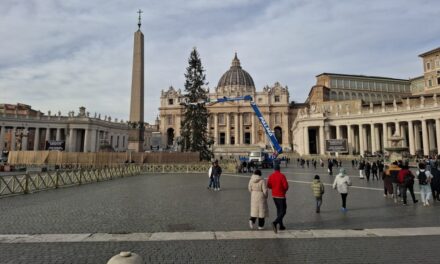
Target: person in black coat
x,y
374,171
367,170
435,183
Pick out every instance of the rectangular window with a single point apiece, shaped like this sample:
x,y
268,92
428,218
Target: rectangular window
x,y
221,119
247,138
277,98
117,141
170,101
339,83
358,85
429,83
170,120
232,119
222,139
123,141
333,83
346,84
232,140
246,119
438,81
428,66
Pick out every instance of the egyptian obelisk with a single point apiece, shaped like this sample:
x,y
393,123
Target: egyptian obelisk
x,y
136,135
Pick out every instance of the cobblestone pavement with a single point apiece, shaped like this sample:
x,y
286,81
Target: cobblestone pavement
x,y
176,203
344,250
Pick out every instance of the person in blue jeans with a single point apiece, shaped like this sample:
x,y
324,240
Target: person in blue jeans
x,y
216,172
211,177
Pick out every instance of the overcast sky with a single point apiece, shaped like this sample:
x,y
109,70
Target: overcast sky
x,y
59,55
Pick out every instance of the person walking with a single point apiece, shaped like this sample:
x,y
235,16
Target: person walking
x,y
435,182
387,184
424,177
367,170
361,169
277,182
259,209
314,164
216,173
341,183
330,167
211,177
405,179
374,171
392,172
380,168
318,191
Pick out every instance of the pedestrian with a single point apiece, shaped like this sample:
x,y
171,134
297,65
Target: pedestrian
x,y
259,209
318,191
367,170
380,167
211,177
406,182
341,183
374,171
216,173
424,177
361,169
387,184
330,167
278,184
307,164
297,162
314,164
352,163
435,182
393,171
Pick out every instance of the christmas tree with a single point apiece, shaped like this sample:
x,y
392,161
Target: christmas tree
x,y
194,125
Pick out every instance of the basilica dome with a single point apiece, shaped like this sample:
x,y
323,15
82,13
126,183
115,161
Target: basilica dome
x,y
236,80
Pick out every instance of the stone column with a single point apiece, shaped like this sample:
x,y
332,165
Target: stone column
x,y
403,134
373,138
377,138
321,140
431,136
228,129
25,139
361,140
338,132
240,129
306,141
58,136
365,138
417,137
236,129
412,150
437,132
425,138
385,135
14,131
2,138
254,130
215,129
72,145
285,129
47,138
350,139
93,142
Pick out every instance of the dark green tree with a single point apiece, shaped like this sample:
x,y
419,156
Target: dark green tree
x,y
194,125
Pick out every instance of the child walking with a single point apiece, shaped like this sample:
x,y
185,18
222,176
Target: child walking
x,y
318,191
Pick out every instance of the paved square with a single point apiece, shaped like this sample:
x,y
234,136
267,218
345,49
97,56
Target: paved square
x,y
152,214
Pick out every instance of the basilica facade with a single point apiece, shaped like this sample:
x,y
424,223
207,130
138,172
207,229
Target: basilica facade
x,y
365,110
233,126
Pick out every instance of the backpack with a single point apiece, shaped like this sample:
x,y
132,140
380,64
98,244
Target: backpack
x,y
408,179
423,180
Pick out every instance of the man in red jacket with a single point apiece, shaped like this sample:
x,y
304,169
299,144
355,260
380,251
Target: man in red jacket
x,y
278,183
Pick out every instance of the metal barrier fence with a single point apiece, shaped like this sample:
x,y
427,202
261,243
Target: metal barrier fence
x,y
31,182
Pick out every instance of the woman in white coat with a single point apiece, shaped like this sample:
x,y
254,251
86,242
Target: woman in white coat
x,y
259,209
341,183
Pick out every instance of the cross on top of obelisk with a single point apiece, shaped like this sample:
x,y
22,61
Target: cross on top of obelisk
x,y
139,19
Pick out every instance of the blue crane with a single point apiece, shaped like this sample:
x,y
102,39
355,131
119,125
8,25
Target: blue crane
x,y
270,134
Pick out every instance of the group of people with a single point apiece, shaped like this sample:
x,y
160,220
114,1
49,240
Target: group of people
x,y
398,179
367,168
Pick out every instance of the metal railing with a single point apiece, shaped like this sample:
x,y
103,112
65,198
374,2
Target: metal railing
x,y
30,182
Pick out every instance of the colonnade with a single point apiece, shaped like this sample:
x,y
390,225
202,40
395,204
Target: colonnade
x,y
76,139
420,136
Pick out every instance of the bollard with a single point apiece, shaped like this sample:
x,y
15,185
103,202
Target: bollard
x,y
126,257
